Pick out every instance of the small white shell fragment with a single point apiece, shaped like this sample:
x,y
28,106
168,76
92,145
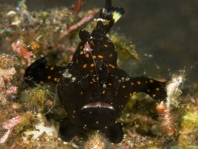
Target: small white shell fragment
x,y
16,22
11,13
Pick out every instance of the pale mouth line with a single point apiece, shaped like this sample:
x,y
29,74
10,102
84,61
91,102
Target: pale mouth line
x,y
97,105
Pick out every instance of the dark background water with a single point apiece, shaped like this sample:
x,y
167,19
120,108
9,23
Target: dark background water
x,y
166,29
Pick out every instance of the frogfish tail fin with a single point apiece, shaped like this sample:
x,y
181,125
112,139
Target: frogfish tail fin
x,y
110,15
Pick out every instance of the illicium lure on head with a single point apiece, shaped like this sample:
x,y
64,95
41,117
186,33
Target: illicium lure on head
x,y
93,90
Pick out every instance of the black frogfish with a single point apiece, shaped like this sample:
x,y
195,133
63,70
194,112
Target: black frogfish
x,y
92,89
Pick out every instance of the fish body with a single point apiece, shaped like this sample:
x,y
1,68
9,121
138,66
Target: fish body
x,y
92,89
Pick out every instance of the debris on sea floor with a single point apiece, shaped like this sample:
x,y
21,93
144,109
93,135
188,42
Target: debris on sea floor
x,y
9,125
6,75
41,128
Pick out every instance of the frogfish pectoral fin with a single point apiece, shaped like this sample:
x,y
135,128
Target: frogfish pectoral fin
x,y
39,72
154,88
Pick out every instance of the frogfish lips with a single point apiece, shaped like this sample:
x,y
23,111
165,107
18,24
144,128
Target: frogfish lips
x,y
98,115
